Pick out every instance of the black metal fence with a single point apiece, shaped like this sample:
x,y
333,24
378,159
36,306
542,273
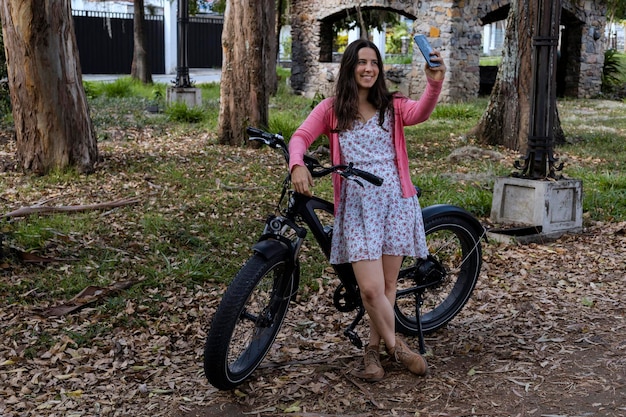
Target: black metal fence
x,y
105,42
205,42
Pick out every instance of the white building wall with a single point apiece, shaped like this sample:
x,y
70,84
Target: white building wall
x,y
493,38
127,6
113,6
378,37
615,35
170,26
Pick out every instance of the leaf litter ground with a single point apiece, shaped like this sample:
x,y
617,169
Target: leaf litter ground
x,y
543,335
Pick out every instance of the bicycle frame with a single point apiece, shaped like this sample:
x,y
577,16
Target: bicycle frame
x,y
277,238
430,291
274,238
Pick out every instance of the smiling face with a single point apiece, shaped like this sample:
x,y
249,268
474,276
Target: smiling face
x,y
367,68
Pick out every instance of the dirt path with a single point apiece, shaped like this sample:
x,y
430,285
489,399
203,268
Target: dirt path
x,y
545,335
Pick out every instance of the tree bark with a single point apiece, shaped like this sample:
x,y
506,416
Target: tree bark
x,y
50,110
140,68
362,25
271,48
281,12
248,69
506,120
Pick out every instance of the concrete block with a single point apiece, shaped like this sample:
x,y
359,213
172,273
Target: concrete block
x,y
191,96
552,206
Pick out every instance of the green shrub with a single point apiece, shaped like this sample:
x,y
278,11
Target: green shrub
x,y
122,87
612,72
283,124
180,112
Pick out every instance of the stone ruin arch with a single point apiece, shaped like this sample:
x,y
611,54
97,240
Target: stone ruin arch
x,y
454,27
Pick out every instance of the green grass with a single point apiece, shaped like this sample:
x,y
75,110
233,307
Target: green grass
x,y
124,87
202,205
123,105
604,193
490,60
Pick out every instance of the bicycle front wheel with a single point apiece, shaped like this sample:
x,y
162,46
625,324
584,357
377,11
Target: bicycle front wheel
x,y
455,247
248,320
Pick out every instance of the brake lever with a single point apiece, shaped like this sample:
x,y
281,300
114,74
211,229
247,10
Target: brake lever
x,y
260,139
351,173
348,174
357,181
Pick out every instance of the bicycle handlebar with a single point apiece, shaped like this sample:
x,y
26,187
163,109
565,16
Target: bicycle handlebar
x,y
258,133
315,168
369,177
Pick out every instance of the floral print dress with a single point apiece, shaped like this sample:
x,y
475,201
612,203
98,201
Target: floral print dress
x,y
373,221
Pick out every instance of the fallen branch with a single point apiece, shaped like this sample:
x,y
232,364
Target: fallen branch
x,y
89,295
364,390
29,257
26,211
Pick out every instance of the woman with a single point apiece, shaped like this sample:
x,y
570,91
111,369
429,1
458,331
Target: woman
x,y
375,227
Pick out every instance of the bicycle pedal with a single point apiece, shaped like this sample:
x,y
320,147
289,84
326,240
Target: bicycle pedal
x,y
354,338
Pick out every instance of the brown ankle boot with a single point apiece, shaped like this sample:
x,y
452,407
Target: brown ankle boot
x,y
373,371
413,361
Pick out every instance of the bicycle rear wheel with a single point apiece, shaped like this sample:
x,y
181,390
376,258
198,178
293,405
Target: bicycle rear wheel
x,y
248,320
453,243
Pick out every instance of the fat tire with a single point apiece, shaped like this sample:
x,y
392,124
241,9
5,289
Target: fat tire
x,y
455,238
261,285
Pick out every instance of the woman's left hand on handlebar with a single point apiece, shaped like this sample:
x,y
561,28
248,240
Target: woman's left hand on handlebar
x,y
302,180
436,73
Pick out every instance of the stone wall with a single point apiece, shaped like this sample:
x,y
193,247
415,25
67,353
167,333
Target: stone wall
x,y
454,27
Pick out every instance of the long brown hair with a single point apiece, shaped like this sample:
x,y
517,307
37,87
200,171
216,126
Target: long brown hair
x,y
346,105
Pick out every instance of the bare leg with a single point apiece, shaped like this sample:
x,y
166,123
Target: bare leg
x,y
391,267
377,283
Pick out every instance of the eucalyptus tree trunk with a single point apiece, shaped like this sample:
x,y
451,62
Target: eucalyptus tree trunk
x,y
248,68
362,25
506,120
140,68
50,111
282,10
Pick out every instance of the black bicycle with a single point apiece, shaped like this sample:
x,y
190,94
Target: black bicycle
x,y
430,291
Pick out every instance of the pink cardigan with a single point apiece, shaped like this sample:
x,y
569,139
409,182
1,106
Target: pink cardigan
x,y
322,120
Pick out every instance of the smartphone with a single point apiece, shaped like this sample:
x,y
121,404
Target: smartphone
x,y
426,49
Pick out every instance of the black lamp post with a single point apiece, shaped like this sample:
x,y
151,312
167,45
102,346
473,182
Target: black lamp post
x,y
539,162
182,66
